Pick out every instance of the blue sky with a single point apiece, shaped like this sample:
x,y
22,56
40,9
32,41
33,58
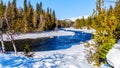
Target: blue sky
x,y
65,8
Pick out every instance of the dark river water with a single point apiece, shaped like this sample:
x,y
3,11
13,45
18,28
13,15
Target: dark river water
x,y
62,42
54,43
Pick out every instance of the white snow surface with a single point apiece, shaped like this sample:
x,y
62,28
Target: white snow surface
x,y
83,30
113,56
73,57
78,17
66,58
39,35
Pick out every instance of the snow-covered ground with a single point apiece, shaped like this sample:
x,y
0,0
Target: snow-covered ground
x,y
83,30
113,56
66,58
40,35
73,57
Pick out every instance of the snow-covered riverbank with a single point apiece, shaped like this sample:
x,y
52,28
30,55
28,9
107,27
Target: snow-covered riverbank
x,y
66,58
73,57
83,30
39,35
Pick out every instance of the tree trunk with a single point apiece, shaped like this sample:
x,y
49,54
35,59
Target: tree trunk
x,y
56,27
2,43
12,40
1,36
11,37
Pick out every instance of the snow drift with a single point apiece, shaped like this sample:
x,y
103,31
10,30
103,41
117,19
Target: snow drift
x,y
53,61
113,56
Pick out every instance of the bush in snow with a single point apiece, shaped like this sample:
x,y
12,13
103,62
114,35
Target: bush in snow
x,y
89,52
105,25
27,49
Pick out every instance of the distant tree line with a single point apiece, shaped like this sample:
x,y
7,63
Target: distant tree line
x,y
80,23
28,19
65,23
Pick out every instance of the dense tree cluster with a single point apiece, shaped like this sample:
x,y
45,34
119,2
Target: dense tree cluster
x,y
107,25
65,23
27,19
80,23
107,29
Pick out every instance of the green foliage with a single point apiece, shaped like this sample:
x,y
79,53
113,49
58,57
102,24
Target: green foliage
x,y
24,20
38,12
105,24
26,49
80,23
2,9
64,23
30,18
117,14
13,15
47,20
77,24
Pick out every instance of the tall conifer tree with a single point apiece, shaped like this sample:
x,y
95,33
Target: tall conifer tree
x,y
25,17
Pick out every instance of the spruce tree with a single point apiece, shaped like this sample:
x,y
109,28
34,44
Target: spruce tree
x,y
25,29
117,14
104,37
19,22
54,24
77,24
39,11
2,8
14,15
30,17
